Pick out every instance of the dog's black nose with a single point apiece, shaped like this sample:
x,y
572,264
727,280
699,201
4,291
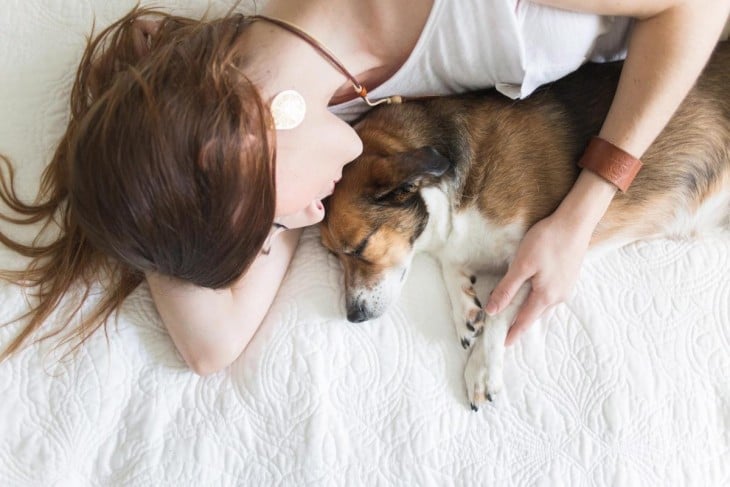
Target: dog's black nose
x,y
356,314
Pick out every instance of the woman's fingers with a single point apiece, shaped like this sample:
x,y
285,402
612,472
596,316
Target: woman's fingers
x,y
505,291
534,306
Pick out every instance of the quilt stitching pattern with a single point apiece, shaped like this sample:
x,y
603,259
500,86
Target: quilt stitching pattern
x,y
628,383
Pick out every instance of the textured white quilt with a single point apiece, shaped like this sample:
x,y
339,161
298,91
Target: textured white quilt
x,y
626,384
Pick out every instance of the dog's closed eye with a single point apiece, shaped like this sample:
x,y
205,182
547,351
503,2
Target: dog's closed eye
x,y
357,252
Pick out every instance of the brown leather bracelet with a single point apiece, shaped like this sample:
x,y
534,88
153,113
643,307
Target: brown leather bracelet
x,y
610,162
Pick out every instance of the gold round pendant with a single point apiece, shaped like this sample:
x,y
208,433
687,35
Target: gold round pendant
x,y
288,109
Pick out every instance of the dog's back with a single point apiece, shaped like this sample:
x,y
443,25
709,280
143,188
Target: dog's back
x,y
516,160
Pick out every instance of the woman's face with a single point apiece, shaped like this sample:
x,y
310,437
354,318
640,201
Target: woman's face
x,y
309,161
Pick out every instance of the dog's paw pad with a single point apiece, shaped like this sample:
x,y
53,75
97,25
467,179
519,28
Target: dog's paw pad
x,y
469,317
469,291
483,378
475,316
481,394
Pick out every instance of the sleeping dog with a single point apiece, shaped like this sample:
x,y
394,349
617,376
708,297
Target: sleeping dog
x,y
464,177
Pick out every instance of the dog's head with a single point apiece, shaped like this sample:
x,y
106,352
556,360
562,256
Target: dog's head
x,y
373,219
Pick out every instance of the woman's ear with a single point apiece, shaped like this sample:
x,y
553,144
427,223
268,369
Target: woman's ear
x,y
143,30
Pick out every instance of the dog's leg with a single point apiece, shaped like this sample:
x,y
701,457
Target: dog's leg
x,y
465,305
484,368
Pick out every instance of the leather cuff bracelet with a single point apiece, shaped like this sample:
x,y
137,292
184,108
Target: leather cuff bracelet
x,y
610,162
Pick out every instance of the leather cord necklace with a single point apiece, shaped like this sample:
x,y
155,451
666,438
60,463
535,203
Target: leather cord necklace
x,y
601,157
360,90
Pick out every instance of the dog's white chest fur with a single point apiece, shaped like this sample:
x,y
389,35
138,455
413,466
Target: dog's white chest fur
x,y
467,238
466,242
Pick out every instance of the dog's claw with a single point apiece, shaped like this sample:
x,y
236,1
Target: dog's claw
x,y
488,397
473,407
465,343
469,326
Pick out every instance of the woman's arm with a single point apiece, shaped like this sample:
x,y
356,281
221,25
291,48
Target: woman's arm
x,y
670,44
210,328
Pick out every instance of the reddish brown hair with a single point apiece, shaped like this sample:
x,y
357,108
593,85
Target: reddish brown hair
x,y
167,165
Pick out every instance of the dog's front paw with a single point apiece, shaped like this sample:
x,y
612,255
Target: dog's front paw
x,y
468,314
483,372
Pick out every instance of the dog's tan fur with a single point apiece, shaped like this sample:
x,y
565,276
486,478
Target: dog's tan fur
x,y
513,162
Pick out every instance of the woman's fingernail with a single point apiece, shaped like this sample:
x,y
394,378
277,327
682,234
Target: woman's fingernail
x,y
491,309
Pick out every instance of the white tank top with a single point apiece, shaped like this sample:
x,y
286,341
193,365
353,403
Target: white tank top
x,y
512,45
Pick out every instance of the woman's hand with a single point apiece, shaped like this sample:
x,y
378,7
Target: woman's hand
x,y
551,253
549,256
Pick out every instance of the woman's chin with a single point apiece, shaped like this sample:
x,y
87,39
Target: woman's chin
x,y
311,214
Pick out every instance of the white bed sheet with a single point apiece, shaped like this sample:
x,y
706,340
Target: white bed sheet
x,y
626,384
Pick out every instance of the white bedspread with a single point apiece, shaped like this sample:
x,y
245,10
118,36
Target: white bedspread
x,y
626,384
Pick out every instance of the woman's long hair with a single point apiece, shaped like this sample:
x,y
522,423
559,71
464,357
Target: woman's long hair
x,y
167,165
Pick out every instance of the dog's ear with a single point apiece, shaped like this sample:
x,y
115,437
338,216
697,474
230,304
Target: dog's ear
x,y
409,171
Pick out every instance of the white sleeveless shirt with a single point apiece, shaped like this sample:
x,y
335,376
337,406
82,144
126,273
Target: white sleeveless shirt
x,y
512,45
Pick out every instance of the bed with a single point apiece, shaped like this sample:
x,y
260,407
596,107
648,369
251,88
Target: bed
x,y
628,383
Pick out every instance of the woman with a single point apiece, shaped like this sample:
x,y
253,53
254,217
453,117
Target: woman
x,y
173,169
